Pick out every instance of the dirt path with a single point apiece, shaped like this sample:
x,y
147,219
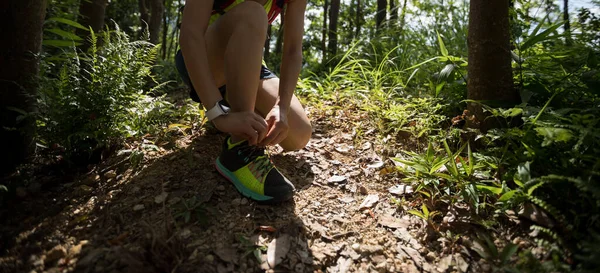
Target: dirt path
x,y
172,212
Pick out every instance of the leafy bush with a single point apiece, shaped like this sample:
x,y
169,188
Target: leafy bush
x,y
88,100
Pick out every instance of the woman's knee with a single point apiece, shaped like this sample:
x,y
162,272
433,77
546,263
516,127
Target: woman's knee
x,y
298,137
253,15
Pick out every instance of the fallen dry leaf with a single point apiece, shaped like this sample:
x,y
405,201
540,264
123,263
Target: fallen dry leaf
x,y
367,145
401,189
161,197
267,228
119,239
227,254
336,179
278,249
369,201
346,199
393,222
343,148
375,165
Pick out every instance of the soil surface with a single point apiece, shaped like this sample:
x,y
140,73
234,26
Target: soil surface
x,y
159,205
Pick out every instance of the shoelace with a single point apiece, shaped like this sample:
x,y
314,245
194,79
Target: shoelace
x,y
251,153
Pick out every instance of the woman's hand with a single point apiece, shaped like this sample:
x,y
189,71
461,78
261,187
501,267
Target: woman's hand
x,y
277,126
247,125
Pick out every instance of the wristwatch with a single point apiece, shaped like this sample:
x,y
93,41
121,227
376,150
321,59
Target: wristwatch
x,y
220,109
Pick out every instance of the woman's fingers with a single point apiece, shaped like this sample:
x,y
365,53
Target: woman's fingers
x,y
260,129
280,137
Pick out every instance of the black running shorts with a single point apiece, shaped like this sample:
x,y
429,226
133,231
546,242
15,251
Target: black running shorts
x,y
265,73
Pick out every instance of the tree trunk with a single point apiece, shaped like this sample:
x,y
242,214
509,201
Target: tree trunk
x,y
324,34
175,29
267,52
144,17
358,21
91,14
403,18
567,23
333,23
279,41
490,71
165,28
393,13
21,32
157,9
381,13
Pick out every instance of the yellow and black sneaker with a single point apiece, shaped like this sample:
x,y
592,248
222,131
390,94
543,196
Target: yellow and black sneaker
x,y
252,172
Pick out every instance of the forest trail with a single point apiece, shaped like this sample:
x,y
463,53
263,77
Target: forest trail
x,y
174,213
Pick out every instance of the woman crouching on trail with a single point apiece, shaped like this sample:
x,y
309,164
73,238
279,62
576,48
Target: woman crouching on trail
x,y
222,43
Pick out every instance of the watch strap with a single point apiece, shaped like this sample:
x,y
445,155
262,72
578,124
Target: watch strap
x,y
218,110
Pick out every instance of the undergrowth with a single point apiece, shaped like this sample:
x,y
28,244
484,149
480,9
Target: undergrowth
x,y
90,100
542,167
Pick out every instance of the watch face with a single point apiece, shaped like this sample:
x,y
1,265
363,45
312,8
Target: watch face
x,y
224,108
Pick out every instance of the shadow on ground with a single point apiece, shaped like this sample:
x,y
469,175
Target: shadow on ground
x,y
170,214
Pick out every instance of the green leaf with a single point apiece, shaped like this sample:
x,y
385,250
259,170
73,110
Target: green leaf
x,y
425,193
17,110
443,49
445,176
534,187
495,190
438,88
3,188
491,246
446,71
552,135
529,149
425,210
508,251
453,168
417,213
257,254
523,174
481,250
507,196
534,39
68,22
65,34
539,26
512,112
471,159
60,43
436,166
442,59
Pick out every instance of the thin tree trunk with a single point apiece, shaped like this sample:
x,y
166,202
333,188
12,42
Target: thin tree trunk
x,y
358,21
91,14
490,71
381,13
157,9
333,23
175,29
165,28
144,17
279,41
568,39
324,34
21,32
403,18
267,51
393,13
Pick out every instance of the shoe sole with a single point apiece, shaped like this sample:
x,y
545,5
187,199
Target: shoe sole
x,y
263,199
